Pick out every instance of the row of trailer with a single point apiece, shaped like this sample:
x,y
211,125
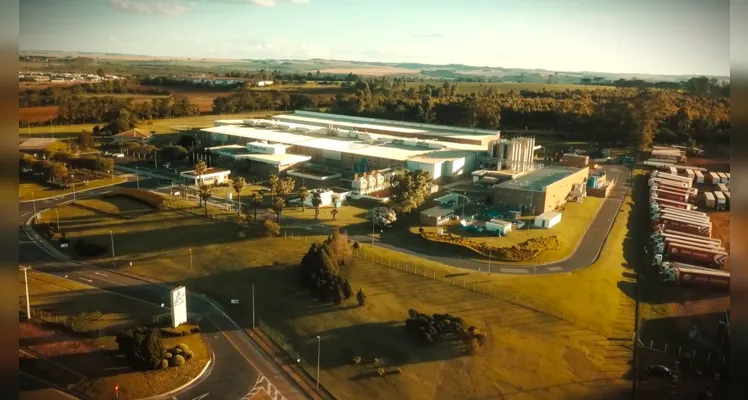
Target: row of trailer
x,y
681,241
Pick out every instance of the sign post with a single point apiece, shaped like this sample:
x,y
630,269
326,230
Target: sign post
x,y
178,306
116,391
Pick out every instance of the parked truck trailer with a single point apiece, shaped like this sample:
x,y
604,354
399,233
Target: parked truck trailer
x,y
681,225
672,177
696,277
671,232
667,183
710,257
677,204
677,189
670,195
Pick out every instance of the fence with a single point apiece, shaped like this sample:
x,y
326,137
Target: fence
x,y
699,358
280,341
51,317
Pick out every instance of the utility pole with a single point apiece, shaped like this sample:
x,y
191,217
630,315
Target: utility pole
x,y
57,212
111,235
253,306
319,346
26,282
33,201
489,260
137,178
191,260
73,178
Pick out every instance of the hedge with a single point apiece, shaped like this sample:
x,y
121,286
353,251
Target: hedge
x,y
524,251
153,199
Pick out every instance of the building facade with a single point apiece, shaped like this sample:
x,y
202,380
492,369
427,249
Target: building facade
x,y
540,191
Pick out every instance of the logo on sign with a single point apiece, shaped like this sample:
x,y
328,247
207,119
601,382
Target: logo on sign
x,y
686,277
179,298
674,250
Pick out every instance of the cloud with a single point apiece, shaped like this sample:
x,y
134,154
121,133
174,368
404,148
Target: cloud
x,y
163,7
426,35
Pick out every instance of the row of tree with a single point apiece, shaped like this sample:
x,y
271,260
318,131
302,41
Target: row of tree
x,y
52,96
431,328
57,165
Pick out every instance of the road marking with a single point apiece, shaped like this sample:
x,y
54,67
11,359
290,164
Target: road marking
x,y
554,268
84,279
99,273
201,396
514,270
24,214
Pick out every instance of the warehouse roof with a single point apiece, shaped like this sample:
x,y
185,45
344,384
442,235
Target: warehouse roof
x,y
537,181
377,146
36,144
438,212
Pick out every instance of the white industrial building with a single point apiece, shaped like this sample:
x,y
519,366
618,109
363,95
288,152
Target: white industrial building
x,y
359,145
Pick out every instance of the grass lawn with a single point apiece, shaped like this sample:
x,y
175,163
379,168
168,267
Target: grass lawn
x,y
574,223
541,357
93,357
351,215
25,189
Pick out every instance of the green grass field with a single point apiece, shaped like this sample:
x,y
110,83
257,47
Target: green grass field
x,y
32,190
541,357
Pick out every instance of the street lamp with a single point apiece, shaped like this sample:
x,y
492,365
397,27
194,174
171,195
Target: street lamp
x,y
58,219
26,282
33,201
137,178
111,235
319,345
73,178
489,260
190,259
111,172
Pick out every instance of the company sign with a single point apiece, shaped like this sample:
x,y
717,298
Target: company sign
x,y
715,258
694,278
178,306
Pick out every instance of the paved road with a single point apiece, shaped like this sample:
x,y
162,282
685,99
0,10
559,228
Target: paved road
x,y
239,365
584,255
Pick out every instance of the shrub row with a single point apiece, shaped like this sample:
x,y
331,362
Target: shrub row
x,y
524,251
155,200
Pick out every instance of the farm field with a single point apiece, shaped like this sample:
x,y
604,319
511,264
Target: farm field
x,y
563,356
574,223
168,125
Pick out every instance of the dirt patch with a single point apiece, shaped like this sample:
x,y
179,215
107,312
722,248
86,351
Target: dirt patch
x,y
371,71
37,114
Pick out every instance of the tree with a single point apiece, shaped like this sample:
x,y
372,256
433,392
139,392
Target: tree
x,y
274,183
303,195
285,187
85,141
278,205
381,216
334,212
200,168
270,228
255,201
361,297
172,153
142,346
410,189
100,72
206,191
56,171
238,184
316,202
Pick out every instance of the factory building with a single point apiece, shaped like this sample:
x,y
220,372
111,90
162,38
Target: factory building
x,y
351,145
539,191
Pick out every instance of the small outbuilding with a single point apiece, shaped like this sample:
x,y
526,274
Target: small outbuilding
x,y
211,176
436,216
547,219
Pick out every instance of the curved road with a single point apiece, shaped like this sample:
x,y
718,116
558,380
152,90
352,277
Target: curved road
x,y
238,367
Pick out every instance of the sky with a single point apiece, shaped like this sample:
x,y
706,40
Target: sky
x,y
667,37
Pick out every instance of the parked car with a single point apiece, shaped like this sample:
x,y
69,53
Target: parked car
x,y
658,370
118,155
167,165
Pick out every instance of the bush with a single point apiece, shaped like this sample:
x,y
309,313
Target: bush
x,y
380,371
421,230
188,355
429,328
376,362
357,360
142,345
320,269
181,346
88,249
524,251
361,297
178,360
155,200
177,351
473,346
168,355
482,338
164,363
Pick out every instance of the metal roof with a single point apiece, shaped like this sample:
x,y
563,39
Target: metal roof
x,y
538,180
